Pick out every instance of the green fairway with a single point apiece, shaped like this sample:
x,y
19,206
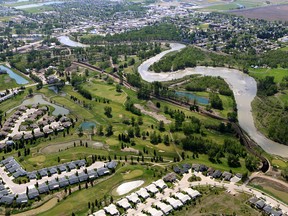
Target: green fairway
x,y
277,73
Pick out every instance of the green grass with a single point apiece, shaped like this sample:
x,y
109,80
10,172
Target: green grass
x,y
261,73
38,9
77,202
6,82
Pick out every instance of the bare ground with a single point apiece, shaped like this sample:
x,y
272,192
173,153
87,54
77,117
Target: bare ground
x,y
158,117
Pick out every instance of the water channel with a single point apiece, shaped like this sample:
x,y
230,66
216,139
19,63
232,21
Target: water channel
x,y
19,79
244,88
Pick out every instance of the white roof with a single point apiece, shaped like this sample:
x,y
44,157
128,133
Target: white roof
x,y
192,193
99,213
173,202
133,198
143,193
111,209
124,203
164,207
160,184
152,188
154,212
183,197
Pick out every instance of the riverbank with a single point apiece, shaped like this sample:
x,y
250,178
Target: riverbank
x,y
244,88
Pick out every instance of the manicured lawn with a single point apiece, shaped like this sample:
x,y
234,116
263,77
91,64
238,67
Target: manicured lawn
x,y
132,174
77,202
6,82
261,73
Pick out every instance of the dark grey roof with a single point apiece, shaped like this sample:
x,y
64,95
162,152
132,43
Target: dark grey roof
x,y
2,187
267,209
7,199
71,165
43,172
82,176
111,165
53,185
10,164
92,174
19,172
4,192
253,200
176,169
63,182
22,198
7,160
203,168
62,168
80,163
102,171
276,213
32,175
260,204
43,188
33,193
73,179
217,174
14,168
53,170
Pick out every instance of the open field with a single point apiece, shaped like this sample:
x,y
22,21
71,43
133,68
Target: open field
x,y
272,188
218,202
261,73
6,82
273,12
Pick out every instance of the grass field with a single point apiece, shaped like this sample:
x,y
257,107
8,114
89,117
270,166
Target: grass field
x,y
77,202
261,73
218,202
6,82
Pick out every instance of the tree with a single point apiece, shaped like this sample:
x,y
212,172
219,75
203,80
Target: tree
x,y
161,126
109,130
108,111
30,91
233,161
284,173
118,88
100,130
251,163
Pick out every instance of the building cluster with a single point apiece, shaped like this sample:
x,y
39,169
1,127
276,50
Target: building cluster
x,y
30,123
155,199
267,209
6,95
47,179
208,171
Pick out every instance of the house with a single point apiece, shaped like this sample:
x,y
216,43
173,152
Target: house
x,y
143,193
43,188
267,209
226,176
176,169
2,187
152,189
154,212
174,203
82,177
4,192
92,174
19,172
8,199
182,197
73,179
32,175
260,204
195,167
276,213
62,168
43,172
32,193
186,168
7,160
170,177
111,164
160,184
63,182
99,213
210,171
217,174
192,193
203,168
123,203
22,198
80,163
133,198
111,210
102,171
239,175
166,209
253,200
71,165
53,184
53,170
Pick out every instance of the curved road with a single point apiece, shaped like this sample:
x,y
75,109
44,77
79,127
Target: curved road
x,y
244,88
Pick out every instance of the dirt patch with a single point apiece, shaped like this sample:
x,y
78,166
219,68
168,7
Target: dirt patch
x,y
158,117
151,106
45,207
265,182
130,149
271,13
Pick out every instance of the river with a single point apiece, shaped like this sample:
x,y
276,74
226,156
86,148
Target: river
x,y
244,88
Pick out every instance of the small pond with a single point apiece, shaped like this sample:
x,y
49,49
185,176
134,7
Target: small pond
x,y
19,79
87,125
191,96
39,99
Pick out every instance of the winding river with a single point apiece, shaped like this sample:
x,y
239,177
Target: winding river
x,y
244,88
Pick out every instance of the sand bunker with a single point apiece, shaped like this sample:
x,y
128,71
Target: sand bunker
x,y
128,186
